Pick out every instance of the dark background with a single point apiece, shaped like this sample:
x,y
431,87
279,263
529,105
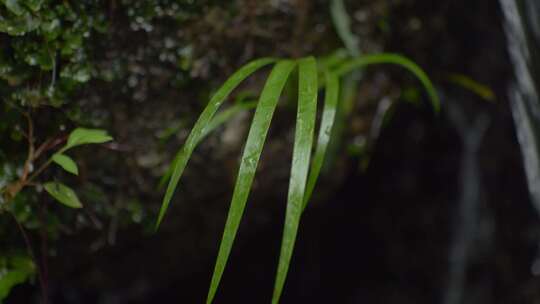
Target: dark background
x,y
376,235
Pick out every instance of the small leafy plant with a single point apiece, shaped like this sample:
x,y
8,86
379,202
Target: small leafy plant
x,y
17,268
59,191
304,171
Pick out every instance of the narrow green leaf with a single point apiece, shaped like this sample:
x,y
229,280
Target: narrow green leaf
x,y
342,24
227,114
218,120
66,163
63,194
333,60
303,142
472,85
325,131
387,58
248,165
14,271
202,123
82,136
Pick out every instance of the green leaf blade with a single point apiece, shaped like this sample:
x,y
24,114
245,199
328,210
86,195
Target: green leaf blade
x,y
198,130
248,165
228,114
83,136
342,24
63,194
325,132
305,125
388,58
218,120
14,270
66,163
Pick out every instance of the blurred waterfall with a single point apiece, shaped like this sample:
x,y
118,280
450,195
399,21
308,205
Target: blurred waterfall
x,y
468,219
522,26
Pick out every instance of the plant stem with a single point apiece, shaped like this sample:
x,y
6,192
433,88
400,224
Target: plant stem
x,y
30,251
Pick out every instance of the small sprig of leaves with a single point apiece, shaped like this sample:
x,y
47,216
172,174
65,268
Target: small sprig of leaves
x,y
79,136
303,177
19,268
59,191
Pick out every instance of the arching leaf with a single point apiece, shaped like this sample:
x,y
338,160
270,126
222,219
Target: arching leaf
x,y
303,142
325,131
386,58
248,165
218,120
202,123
